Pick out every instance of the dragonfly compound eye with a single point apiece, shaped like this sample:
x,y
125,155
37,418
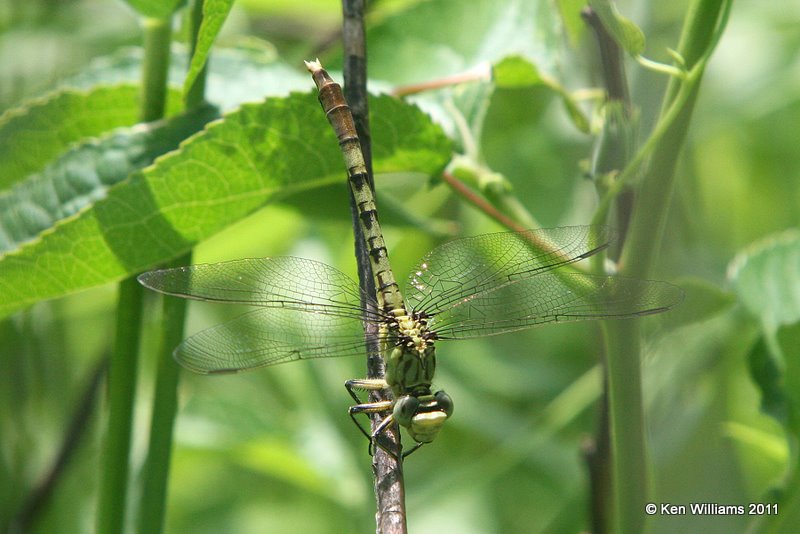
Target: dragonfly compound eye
x,y
404,410
445,402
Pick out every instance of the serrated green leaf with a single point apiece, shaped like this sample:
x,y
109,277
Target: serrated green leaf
x,y
235,76
623,30
38,131
516,71
766,278
157,9
83,175
236,165
214,14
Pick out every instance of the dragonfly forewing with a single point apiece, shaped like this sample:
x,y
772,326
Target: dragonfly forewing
x,y
279,282
549,297
466,267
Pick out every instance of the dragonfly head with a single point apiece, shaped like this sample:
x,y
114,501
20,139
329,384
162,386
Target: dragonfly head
x,y
424,416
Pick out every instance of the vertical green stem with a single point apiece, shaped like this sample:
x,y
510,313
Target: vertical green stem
x,y
613,152
123,366
627,429
156,470
157,39
121,395
647,225
165,402
196,94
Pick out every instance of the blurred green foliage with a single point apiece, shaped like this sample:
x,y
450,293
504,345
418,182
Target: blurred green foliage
x,y
273,451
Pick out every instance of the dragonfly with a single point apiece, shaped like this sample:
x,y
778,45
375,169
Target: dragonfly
x,y
467,288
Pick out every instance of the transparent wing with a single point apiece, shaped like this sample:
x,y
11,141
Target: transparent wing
x,y
269,336
466,267
549,298
282,282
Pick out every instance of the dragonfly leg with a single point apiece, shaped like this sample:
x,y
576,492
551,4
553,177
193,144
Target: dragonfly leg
x,y
412,449
371,384
369,408
364,384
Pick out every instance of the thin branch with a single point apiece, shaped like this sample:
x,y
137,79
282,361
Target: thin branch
x,y
486,207
390,516
616,143
481,203
78,425
611,58
123,367
613,152
482,72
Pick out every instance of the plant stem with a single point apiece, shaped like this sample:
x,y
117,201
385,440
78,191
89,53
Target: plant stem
x,y
481,73
196,94
157,463
165,401
699,31
613,151
122,374
124,361
480,203
623,338
390,516
157,38
123,366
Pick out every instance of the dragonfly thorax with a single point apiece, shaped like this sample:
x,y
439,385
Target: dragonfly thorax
x,y
412,332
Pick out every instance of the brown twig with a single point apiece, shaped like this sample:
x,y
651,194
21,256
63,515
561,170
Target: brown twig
x,y
482,72
481,203
390,516
78,426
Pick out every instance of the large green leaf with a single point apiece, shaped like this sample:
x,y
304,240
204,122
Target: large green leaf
x,y
83,174
36,132
236,165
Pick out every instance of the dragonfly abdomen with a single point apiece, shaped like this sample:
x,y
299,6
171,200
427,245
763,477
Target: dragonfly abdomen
x,y
338,113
